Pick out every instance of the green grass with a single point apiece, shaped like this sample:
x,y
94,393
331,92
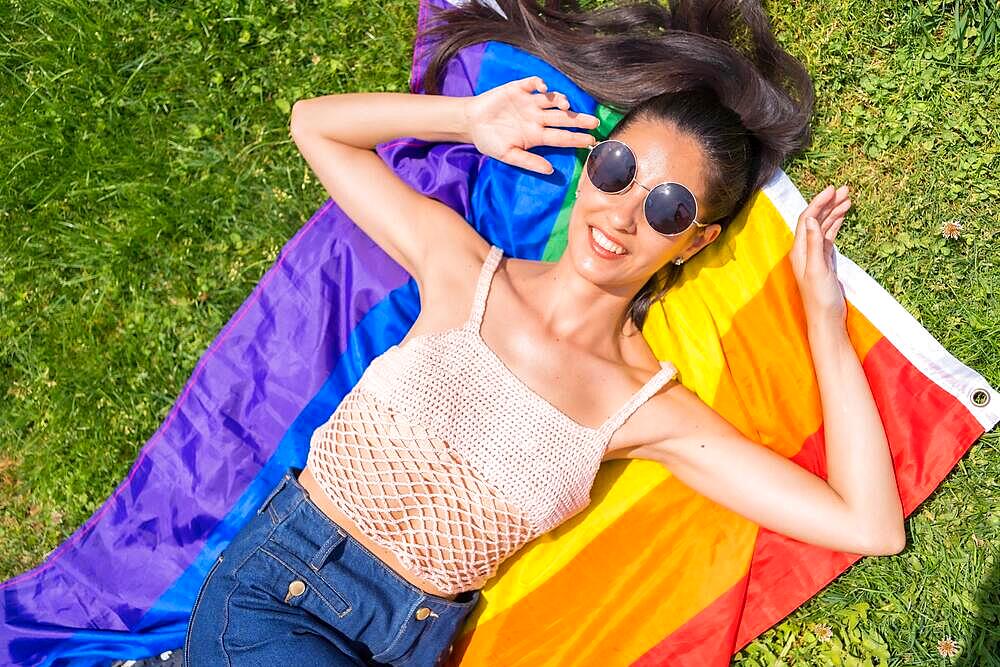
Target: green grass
x,y
150,180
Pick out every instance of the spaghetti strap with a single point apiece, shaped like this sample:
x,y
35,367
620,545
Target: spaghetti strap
x,y
606,430
663,376
483,287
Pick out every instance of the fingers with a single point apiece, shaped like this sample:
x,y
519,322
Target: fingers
x,y
825,201
816,255
532,83
831,234
553,99
840,208
827,205
817,203
527,160
835,219
565,118
838,199
555,112
799,240
554,137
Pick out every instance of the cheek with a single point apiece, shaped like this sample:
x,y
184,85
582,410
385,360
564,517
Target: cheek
x,y
659,249
578,218
588,208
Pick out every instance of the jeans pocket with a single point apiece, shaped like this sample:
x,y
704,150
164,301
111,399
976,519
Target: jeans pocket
x,y
271,586
273,572
407,646
197,603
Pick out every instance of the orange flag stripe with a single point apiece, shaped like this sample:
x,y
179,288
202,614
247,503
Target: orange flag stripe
x,y
704,547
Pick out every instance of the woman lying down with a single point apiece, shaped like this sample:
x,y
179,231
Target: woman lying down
x,y
411,496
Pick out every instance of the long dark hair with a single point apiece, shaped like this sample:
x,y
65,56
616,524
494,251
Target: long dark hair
x,y
710,68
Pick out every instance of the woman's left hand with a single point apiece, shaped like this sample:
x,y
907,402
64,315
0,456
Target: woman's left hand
x,y
814,260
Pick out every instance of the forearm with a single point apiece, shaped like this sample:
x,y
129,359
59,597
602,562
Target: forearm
x,y
364,120
859,463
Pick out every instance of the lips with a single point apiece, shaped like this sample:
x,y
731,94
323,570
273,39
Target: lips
x,y
601,252
612,238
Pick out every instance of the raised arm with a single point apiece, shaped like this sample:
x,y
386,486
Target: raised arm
x,y
336,135
857,508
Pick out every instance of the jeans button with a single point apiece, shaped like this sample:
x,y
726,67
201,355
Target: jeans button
x,y
423,613
295,589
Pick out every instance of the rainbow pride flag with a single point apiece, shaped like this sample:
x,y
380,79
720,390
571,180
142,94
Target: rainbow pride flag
x,y
650,574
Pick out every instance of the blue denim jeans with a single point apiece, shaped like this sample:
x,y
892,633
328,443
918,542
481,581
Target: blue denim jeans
x,y
294,588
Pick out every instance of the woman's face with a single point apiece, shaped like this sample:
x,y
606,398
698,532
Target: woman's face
x,y
662,154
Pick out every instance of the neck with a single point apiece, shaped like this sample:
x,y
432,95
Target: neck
x,y
576,310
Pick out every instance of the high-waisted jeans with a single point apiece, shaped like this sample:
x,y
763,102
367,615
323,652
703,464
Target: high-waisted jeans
x,y
294,588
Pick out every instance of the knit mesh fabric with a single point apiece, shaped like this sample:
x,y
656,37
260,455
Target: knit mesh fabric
x,y
444,457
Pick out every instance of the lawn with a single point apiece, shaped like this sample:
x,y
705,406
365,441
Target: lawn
x,y
150,181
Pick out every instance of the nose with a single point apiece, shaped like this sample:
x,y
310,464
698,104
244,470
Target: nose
x,y
626,211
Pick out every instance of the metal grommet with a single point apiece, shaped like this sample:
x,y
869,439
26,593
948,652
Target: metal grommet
x,y
980,398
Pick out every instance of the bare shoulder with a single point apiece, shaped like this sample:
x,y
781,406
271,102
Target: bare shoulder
x,y
668,418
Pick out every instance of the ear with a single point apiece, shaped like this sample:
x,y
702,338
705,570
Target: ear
x,y
705,236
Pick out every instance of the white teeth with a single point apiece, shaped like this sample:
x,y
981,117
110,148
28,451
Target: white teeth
x,y
605,242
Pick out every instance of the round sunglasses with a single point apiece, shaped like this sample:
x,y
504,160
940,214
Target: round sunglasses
x,y
670,208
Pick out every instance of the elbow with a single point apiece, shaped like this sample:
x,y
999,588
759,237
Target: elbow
x,y
886,542
295,118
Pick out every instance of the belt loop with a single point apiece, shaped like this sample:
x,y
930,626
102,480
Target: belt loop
x,y
321,556
277,489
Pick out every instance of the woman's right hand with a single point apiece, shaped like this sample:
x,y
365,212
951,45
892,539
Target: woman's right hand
x,y
507,120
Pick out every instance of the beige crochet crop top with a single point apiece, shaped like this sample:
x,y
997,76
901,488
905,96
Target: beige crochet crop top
x,y
444,457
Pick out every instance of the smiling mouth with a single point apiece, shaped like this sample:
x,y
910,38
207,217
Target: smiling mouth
x,y
603,246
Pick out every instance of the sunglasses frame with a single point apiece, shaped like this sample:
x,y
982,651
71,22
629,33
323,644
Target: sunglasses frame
x,y
694,218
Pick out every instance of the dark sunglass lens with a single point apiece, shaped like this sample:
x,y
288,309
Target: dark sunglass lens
x,y
670,208
611,166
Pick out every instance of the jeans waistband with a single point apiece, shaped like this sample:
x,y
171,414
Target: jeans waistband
x,y
282,504
289,495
